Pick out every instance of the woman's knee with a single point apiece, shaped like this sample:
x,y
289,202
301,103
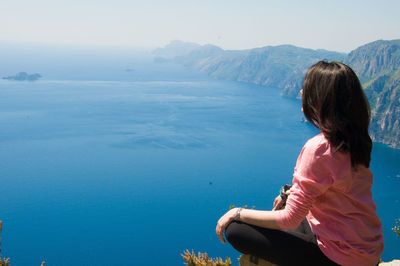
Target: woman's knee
x,y
245,238
233,233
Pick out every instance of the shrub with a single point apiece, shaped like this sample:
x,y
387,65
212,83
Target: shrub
x,y
202,259
396,228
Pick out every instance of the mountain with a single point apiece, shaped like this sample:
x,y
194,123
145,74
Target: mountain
x,y
284,66
377,65
281,66
175,48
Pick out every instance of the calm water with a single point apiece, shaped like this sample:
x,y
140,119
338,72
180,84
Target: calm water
x,y
103,166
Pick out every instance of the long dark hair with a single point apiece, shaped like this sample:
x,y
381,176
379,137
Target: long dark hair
x,y
333,101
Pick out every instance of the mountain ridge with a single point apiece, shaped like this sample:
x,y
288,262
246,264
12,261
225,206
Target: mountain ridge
x,y
377,64
283,66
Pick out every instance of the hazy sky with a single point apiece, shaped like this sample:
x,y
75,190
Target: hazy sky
x,y
232,24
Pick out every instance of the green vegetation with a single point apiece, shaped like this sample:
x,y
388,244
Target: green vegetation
x,y
396,228
378,64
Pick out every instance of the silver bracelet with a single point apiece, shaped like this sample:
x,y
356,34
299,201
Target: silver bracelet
x,y
237,215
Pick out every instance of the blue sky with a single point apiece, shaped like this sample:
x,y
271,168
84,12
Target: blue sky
x,y
232,24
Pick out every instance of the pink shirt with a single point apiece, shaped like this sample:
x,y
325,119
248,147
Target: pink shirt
x,y
337,201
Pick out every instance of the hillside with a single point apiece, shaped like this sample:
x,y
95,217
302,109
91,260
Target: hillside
x,y
281,66
284,66
377,65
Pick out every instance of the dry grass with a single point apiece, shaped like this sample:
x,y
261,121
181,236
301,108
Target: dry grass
x,y
202,259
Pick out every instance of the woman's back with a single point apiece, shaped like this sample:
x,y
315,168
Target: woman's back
x,y
342,212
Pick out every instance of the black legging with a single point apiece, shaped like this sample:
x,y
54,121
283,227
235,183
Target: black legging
x,y
281,247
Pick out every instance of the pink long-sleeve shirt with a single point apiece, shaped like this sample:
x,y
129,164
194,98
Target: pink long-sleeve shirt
x,y
336,199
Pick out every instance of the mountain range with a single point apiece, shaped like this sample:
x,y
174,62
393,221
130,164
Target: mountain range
x,y
376,64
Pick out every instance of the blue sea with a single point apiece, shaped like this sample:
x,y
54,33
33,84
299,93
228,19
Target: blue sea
x,y
111,159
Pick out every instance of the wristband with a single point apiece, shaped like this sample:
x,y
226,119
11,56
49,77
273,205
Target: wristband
x,y
283,195
237,214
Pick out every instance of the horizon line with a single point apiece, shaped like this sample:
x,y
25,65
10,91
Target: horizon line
x,y
150,48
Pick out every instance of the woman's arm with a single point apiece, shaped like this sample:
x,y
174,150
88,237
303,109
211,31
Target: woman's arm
x,y
264,219
312,177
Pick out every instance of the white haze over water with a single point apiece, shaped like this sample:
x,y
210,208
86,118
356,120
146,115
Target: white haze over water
x,y
232,24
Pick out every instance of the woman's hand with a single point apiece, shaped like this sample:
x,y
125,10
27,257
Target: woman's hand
x,y
223,222
281,200
278,203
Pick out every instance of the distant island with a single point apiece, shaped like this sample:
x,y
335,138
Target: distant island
x,y
377,64
23,76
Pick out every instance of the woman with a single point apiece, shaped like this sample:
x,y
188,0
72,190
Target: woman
x,y
329,216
